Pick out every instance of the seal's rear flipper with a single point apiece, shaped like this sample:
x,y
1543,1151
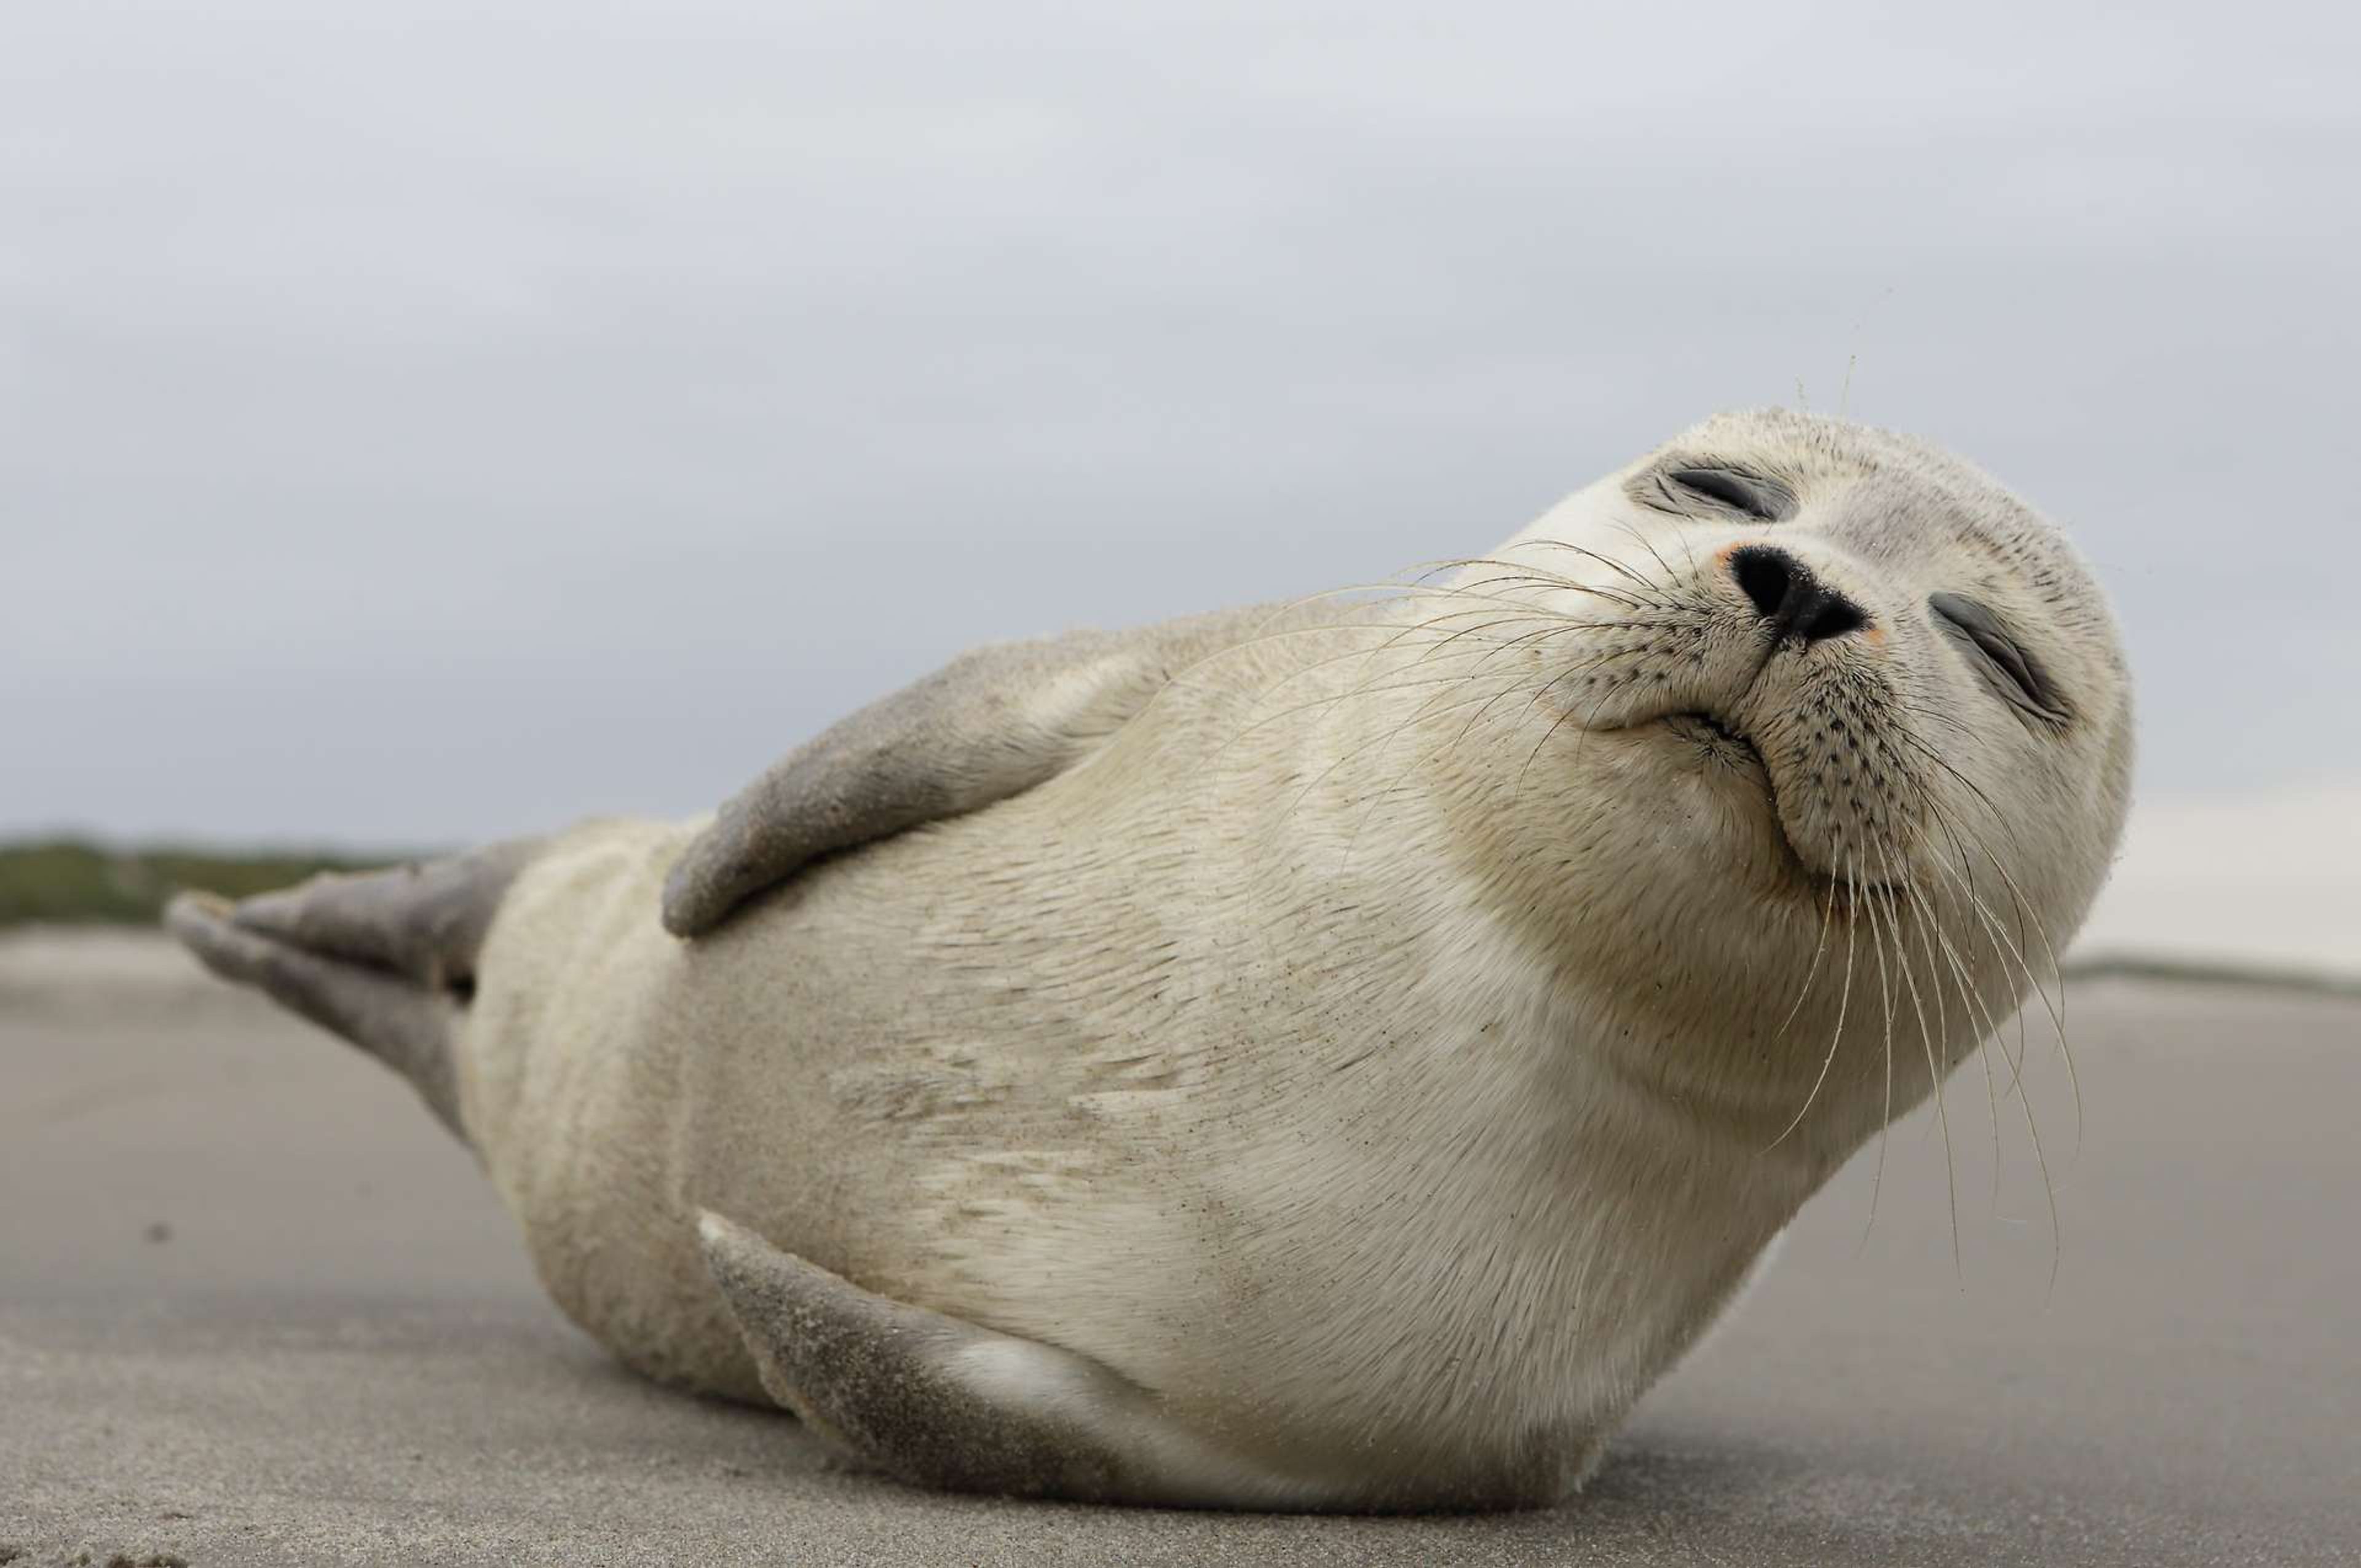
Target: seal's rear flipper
x,y
384,959
399,1022
939,1402
425,922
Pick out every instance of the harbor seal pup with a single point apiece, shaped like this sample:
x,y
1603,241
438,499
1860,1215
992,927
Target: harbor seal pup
x,y
1328,1056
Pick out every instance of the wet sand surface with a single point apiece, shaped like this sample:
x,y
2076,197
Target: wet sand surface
x,y
256,1307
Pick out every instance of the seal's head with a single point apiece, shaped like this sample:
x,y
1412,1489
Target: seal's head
x,y
1845,719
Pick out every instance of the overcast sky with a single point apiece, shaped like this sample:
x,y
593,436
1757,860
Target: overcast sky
x,y
422,422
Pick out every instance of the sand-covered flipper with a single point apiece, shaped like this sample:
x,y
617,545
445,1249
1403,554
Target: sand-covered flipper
x,y
424,921
386,959
936,1401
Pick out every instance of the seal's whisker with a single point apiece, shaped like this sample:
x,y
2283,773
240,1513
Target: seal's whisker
x,y
1379,798
1481,654
1585,665
1933,930
1395,631
1828,909
1381,744
1375,596
1523,641
1542,572
1361,688
1445,647
1623,596
1598,662
1525,572
1380,595
1400,632
1933,714
1930,929
1592,661
2056,1011
1937,1072
1885,994
1990,1028
1513,682
1995,941
2048,1191
1897,888
1653,554
1994,937
2033,1131
1425,711
1835,1036
1408,683
1557,724
1504,644
1626,528
1979,1012
1607,561
1421,578
1403,678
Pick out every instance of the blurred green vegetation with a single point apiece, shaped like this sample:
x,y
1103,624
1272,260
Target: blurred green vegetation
x,y
75,881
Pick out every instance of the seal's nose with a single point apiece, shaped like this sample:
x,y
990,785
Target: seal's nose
x,y
1785,594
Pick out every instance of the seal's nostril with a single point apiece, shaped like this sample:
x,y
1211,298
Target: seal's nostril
x,y
1837,615
1766,576
1784,593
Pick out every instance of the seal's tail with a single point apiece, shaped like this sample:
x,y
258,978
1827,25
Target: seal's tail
x,y
387,960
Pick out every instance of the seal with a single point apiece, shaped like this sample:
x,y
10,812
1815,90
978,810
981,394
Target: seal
x,y
1327,1057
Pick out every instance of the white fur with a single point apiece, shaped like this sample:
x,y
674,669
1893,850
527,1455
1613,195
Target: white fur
x,y
1392,1092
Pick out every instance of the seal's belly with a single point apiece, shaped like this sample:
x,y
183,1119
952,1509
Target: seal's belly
x,y
811,1070
969,1071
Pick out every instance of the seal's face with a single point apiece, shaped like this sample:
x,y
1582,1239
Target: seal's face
x,y
1841,681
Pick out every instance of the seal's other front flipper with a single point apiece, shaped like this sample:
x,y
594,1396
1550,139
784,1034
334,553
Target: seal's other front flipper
x,y
935,1401
992,723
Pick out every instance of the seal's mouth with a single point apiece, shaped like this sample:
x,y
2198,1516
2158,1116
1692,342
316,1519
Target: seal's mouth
x,y
1724,740
1721,737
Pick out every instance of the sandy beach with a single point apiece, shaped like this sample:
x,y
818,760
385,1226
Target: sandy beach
x,y
256,1307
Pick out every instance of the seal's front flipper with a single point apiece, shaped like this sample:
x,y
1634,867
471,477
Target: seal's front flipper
x,y
939,1402
989,724
384,959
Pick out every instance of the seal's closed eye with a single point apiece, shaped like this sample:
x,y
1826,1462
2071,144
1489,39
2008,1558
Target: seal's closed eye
x,y
1728,489
2007,667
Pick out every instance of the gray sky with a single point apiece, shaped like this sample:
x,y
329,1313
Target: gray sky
x,y
420,422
